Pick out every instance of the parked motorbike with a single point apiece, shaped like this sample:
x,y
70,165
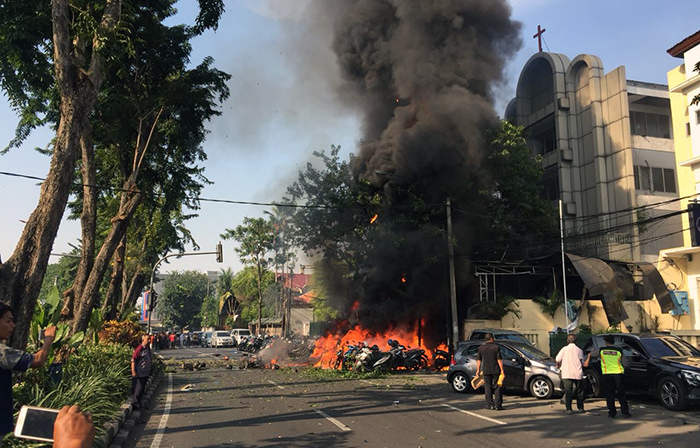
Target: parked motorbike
x,y
441,359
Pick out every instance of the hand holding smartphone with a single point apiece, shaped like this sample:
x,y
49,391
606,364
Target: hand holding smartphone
x,y
36,423
73,427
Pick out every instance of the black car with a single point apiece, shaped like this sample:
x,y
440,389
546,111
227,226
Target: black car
x,y
659,364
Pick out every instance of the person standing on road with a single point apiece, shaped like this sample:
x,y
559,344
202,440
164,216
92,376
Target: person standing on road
x,y
489,362
141,363
570,361
12,359
611,366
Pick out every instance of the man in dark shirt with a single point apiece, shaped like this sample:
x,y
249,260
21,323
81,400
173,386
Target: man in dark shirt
x,y
141,362
489,363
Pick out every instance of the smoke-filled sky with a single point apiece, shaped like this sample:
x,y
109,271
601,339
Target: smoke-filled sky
x,y
290,96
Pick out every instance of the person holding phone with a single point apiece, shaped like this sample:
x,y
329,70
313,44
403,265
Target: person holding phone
x,y
13,359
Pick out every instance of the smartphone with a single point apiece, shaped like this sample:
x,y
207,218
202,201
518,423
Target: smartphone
x,y
36,423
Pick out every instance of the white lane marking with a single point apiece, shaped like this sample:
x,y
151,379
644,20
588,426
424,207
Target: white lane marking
x,y
275,384
166,413
332,420
475,415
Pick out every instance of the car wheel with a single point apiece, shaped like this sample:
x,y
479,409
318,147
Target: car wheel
x,y
594,382
672,394
460,383
541,388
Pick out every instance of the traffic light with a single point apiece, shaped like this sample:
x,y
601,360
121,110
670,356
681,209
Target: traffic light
x,y
219,253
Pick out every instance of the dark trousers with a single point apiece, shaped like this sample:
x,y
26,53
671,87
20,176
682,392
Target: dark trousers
x,y
138,387
614,387
491,389
573,389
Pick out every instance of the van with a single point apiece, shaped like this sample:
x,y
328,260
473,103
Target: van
x,y
239,333
221,338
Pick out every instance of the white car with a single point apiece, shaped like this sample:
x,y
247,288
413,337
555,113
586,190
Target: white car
x,y
221,339
239,333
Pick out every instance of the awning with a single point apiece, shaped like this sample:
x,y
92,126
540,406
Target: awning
x,y
603,277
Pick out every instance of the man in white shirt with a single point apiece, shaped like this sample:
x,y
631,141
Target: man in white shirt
x,y
570,361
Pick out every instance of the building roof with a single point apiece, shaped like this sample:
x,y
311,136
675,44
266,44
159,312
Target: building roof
x,y
686,44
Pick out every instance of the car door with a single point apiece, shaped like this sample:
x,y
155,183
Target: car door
x,y
514,366
637,372
469,355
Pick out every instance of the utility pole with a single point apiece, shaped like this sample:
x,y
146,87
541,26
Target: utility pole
x,y
563,261
453,284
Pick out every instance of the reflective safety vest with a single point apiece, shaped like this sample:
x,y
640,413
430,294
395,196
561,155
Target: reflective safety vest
x,y
610,361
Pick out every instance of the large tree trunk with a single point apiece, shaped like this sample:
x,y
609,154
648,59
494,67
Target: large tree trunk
x,y
88,223
21,276
114,292
129,201
138,281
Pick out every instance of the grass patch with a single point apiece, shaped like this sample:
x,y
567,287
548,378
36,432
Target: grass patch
x,y
316,374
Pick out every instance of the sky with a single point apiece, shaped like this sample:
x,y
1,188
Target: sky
x,y
283,106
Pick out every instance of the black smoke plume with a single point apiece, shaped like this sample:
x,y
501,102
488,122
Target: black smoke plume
x,y
421,73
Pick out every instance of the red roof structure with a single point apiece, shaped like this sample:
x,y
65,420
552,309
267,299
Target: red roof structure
x,y
686,44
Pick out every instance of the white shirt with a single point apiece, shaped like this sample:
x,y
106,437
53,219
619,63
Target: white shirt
x,y
571,360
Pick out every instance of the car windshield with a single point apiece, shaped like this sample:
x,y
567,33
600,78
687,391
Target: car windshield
x,y
669,347
533,353
513,337
222,333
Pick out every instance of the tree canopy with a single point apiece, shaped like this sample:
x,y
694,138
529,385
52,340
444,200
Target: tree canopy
x,y
181,300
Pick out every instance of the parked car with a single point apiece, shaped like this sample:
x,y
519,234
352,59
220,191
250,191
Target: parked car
x,y
221,338
239,333
498,334
661,365
206,339
526,368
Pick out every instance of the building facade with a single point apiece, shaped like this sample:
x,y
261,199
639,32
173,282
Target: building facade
x,y
680,265
607,151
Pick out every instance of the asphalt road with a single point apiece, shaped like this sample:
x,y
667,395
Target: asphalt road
x,y
284,408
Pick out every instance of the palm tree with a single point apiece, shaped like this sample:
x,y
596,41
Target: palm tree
x,y
550,304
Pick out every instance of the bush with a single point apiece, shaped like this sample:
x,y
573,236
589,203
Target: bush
x,y
125,332
97,377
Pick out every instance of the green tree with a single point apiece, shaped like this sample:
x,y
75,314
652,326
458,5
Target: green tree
x,y
550,304
519,219
55,58
147,139
181,299
255,239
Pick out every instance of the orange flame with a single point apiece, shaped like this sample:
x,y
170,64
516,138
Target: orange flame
x,y
374,218
326,348
403,278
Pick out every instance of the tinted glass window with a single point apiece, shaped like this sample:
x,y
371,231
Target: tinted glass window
x,y
471,351
507,353
476,336
513,337
533,353
669,347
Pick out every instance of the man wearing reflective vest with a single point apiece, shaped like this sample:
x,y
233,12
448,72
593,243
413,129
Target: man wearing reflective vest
x,y
611,366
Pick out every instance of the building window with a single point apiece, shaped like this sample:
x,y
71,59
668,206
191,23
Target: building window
x,y
687,129
697,117
650,125
662,180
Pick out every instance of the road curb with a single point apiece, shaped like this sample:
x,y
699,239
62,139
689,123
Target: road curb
x,y
118,429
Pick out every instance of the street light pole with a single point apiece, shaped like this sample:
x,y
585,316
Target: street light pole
x,y
453,283
151,303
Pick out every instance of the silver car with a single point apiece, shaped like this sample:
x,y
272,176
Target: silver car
x,y
526,368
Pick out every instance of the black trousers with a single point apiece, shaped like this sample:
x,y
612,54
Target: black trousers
x,y
573,389
138,387
614,387
492,389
